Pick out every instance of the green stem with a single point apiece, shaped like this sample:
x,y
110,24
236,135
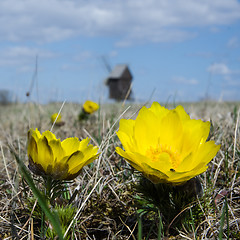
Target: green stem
x,y
42,224
160,226
48,187
192,223
139,227
47,190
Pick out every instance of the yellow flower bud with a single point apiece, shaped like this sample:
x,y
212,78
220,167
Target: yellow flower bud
x,y
49,156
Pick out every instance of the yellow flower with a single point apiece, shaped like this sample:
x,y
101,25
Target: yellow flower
x,y
60,160
54,116
90,107
166,145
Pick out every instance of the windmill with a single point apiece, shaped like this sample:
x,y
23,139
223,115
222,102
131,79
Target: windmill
x,y
119,81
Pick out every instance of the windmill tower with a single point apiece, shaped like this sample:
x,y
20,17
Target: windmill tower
x,y
119,83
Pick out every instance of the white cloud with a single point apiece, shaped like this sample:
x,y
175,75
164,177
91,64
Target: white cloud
x,y
233,42
219,68
215,29
186,81
113,53
164,35
153,20
232,80
83,56
22,55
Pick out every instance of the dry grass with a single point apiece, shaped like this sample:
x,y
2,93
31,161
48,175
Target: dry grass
x,y
105,199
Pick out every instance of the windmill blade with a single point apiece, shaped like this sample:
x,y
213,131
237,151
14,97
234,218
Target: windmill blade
x,y
106,64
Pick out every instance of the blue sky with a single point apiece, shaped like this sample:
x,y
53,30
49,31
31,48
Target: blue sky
x,y
178,50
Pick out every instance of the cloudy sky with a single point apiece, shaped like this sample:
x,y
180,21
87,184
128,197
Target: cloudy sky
x,y
182,50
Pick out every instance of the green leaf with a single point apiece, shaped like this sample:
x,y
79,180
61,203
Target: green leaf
x,y
222,220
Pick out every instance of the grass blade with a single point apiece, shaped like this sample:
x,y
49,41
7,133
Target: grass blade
x,y
222,220
140,226
53,218
160,226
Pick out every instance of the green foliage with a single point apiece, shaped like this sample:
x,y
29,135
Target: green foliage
x,y
235,113
41,199
83,116
224,216
66,215
56,189
167,203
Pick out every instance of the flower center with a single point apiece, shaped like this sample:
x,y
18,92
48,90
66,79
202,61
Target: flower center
x,y
154,153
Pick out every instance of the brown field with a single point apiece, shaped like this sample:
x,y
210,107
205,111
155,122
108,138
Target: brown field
x,y
106,201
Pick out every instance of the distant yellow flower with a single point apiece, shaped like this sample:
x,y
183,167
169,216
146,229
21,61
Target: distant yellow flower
x,y
90,107
166,145
56,116
60,160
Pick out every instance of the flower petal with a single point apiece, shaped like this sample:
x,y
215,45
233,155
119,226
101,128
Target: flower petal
x,y
127,126
70,145
83,144
182,113
194,132
81,158
49,135
163,162
125,132
135,159
45,154
170,130
145,130
75,160
158,110
58,152
154,175
32,148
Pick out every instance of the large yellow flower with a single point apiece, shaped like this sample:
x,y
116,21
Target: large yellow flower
x,y
166,145
90,107
49,156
